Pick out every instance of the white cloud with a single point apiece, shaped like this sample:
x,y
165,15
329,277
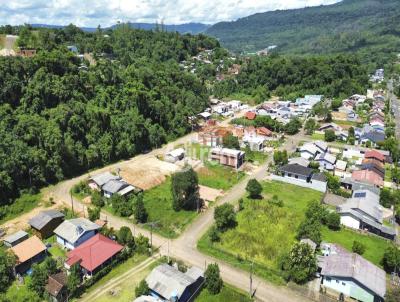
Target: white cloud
x,y
108,12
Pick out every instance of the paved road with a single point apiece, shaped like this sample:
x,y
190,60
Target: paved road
x,y
395,106
184,247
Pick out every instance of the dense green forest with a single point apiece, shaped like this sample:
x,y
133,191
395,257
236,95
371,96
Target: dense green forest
x,y
58,119
369,26
292,77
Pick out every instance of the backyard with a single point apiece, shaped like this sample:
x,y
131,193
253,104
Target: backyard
x,y
264,232
216,176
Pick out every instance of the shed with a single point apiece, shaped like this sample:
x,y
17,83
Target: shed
x,y
175,155
15,238
45,222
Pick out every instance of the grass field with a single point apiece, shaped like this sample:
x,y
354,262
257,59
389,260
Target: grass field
x,y
375,247
198,151
388,172
227,293
264,231
218,177
318,136
21,205
158,203
20,292
345,123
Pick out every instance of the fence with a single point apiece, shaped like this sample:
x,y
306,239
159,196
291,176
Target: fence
x,y
315,185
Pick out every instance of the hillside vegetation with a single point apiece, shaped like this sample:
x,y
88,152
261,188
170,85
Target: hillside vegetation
x,y
58,119
371,26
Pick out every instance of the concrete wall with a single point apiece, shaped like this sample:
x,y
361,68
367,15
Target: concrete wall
x,y
349,288
315,185
350,222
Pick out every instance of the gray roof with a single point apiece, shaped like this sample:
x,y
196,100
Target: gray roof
x,y
113,186
167,281
16,236
299,161
297,169
360,186
147,299
71,230
103,178
326,157
364,202
319,177
356,267
44,217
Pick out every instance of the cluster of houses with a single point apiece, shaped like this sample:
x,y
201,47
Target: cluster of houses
x,y
168,283
110,184
373,131
224,109
87,248
284,111
378,76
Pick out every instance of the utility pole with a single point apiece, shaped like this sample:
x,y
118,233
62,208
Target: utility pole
x,y
72,203
168,250
251,279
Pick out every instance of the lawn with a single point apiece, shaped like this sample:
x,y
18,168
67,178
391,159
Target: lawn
x,y
158,203
20,292
21,205
256,158
375,247
318,136
227,293
388,172
216,176
264,232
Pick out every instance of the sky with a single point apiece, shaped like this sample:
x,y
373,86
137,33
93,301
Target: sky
x,y
91,13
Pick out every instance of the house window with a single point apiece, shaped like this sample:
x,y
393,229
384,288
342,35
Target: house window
x,y
289,174
296,176
337,281
344,284
328,279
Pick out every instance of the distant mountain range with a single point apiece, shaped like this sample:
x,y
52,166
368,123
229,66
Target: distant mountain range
x,y
347,26
191,28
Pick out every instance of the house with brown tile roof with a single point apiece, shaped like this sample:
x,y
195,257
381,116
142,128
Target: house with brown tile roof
x,y
56,287
28,252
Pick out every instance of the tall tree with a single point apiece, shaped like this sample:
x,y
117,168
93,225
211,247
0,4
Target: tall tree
x,y
185,190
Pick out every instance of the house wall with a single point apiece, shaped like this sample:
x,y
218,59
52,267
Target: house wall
x,y
315,185
81,240
349,288
48,229
350,222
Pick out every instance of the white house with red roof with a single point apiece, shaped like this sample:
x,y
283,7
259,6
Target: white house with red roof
x,y
93,255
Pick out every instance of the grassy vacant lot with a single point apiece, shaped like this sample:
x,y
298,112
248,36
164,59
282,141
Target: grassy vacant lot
x,y
20,292
24,204
228,293
318,136
375,247
218,177
264,231
158,202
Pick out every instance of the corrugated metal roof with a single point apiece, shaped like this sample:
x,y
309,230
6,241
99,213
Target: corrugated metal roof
x,y
43,218
16,236
73,229
103,178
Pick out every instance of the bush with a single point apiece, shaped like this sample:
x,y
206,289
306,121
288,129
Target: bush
x,y
125,237
142,289
254,188
332,221
213,281
330,135
185,190
139,210
214,234
97,199
301,263
391,259
94,213
358,247
225,217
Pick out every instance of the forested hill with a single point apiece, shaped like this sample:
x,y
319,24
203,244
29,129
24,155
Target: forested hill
x,y
350,25
58,119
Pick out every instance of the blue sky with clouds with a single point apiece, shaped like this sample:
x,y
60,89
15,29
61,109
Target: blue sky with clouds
x,y
108,12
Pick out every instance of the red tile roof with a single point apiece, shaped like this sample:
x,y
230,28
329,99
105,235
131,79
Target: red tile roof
x,y
251,115
264,131
368,176
94,252
375,154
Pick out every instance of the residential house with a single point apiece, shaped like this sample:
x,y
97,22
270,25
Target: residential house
x,y
213,137
330,126
377,122
363,212
234,105
371,134
373,165
16,238
228,157
348,275
353,185
340,168
299,161
169,284
175,155
45,222
98,181
308,151
205,115
322,147
375,154
264,132
301,176
119,187
28,252
94,254
368,176
255,143
250,115
72,233
342,135
57,288
326,161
